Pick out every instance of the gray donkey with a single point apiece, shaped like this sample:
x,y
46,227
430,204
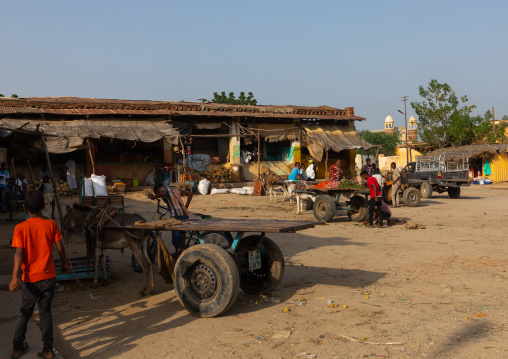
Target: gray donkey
x,y
77,218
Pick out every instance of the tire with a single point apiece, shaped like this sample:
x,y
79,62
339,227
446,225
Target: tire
x,y
154,249
361,207
309,204
454,192
267,278
206,280
411,197
214,237
324,208
426,190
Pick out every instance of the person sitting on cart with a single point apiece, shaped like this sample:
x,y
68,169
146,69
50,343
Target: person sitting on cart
x,y
173,198
336,171
375,201
295,172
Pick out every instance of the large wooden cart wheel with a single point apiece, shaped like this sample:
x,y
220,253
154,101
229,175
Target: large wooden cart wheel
x,y
411,197
268,277
361,209
454,192
324,208
206,280
426,190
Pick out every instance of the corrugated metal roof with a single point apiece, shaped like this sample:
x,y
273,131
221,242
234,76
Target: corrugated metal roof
x,y
92,106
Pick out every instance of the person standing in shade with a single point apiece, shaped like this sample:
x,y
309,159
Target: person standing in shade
x,y
71,174
295,172
336,171
367,167
395,185
43,172
303,174
375,201
188,147
4,178
311,171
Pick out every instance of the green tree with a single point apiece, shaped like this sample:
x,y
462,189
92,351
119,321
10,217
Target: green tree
x,y
232,100
443,118
14,95
387,141
487,132
2,95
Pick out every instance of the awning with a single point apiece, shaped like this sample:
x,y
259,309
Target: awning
x,y
332,137
275,132
71,134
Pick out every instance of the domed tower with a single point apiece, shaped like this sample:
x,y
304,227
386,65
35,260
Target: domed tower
x,y
412,129
389,124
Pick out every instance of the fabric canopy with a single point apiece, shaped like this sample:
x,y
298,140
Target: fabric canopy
x,y
275,132
71,134
332,137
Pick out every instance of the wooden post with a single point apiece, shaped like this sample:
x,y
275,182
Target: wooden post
x,y
259,157
57,196
183,153
13,167
90,153
31,172
326,166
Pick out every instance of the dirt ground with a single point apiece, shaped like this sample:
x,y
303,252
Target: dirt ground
x,y
438,292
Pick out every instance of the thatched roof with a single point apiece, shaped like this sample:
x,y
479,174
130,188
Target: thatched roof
x,y
474,151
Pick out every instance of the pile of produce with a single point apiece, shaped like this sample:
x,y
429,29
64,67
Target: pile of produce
x,y
62,187
350,185
216,174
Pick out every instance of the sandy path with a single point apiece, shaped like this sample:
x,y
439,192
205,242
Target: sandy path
x,y
424,288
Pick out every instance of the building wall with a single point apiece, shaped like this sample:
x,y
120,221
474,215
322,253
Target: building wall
x,y
400,159
498,167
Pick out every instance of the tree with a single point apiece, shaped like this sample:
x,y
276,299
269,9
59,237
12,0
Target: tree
x,y
232,100
387,141
445,120
14,95
2,95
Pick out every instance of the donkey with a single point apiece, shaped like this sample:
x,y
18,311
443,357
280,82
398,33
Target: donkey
x,y
269,181
136,239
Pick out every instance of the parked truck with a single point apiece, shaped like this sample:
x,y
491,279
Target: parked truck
x,y
446,172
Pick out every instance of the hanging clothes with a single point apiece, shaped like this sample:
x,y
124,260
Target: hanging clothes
x,y
486,168
71,174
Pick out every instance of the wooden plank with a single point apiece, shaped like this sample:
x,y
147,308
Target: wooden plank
x,y
231,225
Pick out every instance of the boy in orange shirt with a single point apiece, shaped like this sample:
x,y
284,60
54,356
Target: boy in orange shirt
x,y
33,240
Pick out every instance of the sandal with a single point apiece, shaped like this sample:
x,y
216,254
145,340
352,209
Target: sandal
x,y
370,226
46,355
19,353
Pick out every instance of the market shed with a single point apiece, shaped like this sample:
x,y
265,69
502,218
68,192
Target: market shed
x,y
127,138
488,160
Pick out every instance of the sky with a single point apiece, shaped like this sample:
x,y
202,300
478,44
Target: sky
x,y
361,54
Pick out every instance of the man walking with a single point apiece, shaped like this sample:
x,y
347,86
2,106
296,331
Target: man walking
x,y
395,185
367,167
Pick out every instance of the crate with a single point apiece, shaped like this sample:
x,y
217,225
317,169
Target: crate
x,y
116,201
88,201
82,269
120,187
111,189
101,201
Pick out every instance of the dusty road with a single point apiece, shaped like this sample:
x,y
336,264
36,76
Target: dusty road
x,y
439,292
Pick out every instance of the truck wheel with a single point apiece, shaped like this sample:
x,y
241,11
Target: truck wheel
x,y
206,280
361,209
426,190
324,208
268,277
454,192
411,197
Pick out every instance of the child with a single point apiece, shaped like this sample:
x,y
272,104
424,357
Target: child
x,y
33,240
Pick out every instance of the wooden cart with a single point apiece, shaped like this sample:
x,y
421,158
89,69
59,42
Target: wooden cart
x,y
326,203
213,267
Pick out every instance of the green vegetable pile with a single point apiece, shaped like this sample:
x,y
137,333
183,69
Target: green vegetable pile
x,y
350,184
